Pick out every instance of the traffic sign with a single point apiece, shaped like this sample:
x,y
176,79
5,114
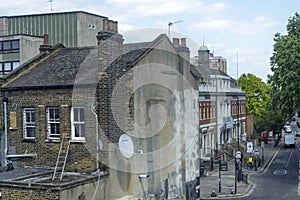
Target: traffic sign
x,y
238,154
249,147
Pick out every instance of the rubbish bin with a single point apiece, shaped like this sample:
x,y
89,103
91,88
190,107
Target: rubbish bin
x,y
201,171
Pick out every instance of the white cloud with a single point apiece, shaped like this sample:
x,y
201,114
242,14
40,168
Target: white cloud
x,y
257,26
214,24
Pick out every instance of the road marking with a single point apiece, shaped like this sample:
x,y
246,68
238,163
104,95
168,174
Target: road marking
x,y
280,172
289,158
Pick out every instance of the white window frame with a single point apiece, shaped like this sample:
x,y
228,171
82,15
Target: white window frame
x,y
28,124
80,123
53,121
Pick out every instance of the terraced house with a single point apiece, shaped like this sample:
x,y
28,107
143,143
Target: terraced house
x,y
67,109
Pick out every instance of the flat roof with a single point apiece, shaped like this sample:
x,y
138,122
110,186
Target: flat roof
x,y
37,177
55,13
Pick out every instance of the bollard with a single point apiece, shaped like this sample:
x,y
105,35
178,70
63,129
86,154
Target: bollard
x,y
213,194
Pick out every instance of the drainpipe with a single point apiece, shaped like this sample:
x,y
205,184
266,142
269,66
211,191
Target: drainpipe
x,y
5,100
97,138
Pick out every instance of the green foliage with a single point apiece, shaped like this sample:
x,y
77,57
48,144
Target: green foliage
x,y
257,94
285,65
257,100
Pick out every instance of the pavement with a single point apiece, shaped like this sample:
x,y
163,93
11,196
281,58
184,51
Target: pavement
x,y
209,183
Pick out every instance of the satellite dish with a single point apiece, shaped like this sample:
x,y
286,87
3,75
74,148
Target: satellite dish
x,y
126,146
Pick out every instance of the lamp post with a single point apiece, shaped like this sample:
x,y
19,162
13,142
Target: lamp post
x,y
262,152
220,175
235,166
199,143
237,160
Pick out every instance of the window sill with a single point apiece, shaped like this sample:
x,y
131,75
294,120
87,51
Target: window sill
x,y
53,140
77,141
12,129
32,140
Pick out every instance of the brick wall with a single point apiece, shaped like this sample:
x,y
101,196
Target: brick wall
x,y
80,158
16,193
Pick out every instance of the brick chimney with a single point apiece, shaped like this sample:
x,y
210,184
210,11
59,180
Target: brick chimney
x,y
182,49
110,49
110,45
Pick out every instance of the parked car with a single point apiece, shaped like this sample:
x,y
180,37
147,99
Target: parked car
x,y
297,133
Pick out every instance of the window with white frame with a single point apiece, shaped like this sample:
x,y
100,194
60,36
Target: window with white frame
x,y
29,123
77,123
53,122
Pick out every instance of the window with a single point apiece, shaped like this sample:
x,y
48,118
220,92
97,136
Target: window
x,y
9,46
29,123
53,122
77,120
6,67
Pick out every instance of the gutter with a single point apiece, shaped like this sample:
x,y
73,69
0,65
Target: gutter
x,y
5,100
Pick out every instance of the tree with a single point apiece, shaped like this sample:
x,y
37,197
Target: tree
x,y
257,100
285,65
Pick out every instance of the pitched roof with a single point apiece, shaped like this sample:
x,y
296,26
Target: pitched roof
x,y
61,68
133,51
207,71
65,67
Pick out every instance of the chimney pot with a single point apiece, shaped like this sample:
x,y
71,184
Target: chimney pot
x,y
175,41
183,42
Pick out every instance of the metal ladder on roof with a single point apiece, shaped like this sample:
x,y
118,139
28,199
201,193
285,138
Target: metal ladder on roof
x,y
61,158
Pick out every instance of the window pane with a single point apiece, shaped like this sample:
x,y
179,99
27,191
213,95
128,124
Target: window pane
x,y
6,45
81,113
77,130
54,128
75,114
30,132
7,66
28,119
82,130
15,44
56,114
32,114
51,111
15,64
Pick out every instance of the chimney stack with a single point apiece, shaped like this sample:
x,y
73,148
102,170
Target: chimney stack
x,y
46,39
175,42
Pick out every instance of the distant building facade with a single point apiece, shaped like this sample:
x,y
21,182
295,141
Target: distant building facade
x,y
207,58
21,36
222,109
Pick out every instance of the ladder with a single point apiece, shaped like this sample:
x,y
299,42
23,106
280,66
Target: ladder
x,y
61,158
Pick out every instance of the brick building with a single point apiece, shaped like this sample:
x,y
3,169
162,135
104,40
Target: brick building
x,y
76,103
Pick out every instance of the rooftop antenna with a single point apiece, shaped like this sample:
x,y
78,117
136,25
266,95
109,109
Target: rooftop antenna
x,y
171,24
237,67
50,1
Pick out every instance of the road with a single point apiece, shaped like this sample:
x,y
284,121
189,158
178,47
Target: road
x,y
281,179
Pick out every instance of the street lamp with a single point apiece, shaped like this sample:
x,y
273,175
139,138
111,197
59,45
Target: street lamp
x,y
237,160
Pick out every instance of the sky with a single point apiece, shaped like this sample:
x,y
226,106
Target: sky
x,y
240,31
